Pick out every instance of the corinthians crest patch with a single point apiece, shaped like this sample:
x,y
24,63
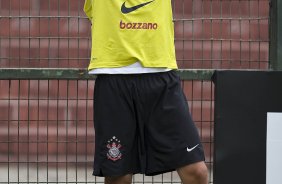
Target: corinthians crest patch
x,y
114,146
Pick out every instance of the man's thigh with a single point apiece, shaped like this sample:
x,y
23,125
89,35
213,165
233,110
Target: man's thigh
x,y
126,179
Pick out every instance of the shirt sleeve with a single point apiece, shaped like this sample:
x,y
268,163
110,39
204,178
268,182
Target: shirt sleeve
x,y
88,8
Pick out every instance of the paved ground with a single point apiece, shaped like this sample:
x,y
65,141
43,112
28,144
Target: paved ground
x,y
27,174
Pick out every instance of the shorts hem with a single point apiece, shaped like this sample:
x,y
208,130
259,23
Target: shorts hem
x,y
101,174
165,170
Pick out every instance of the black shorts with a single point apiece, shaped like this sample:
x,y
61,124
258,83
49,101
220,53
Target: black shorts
x,y
142,125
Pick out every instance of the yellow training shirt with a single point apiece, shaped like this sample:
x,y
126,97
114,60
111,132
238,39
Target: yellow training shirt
x,y
127,31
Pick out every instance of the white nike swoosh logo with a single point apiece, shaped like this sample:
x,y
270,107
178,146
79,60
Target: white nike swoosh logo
x,y
191,149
